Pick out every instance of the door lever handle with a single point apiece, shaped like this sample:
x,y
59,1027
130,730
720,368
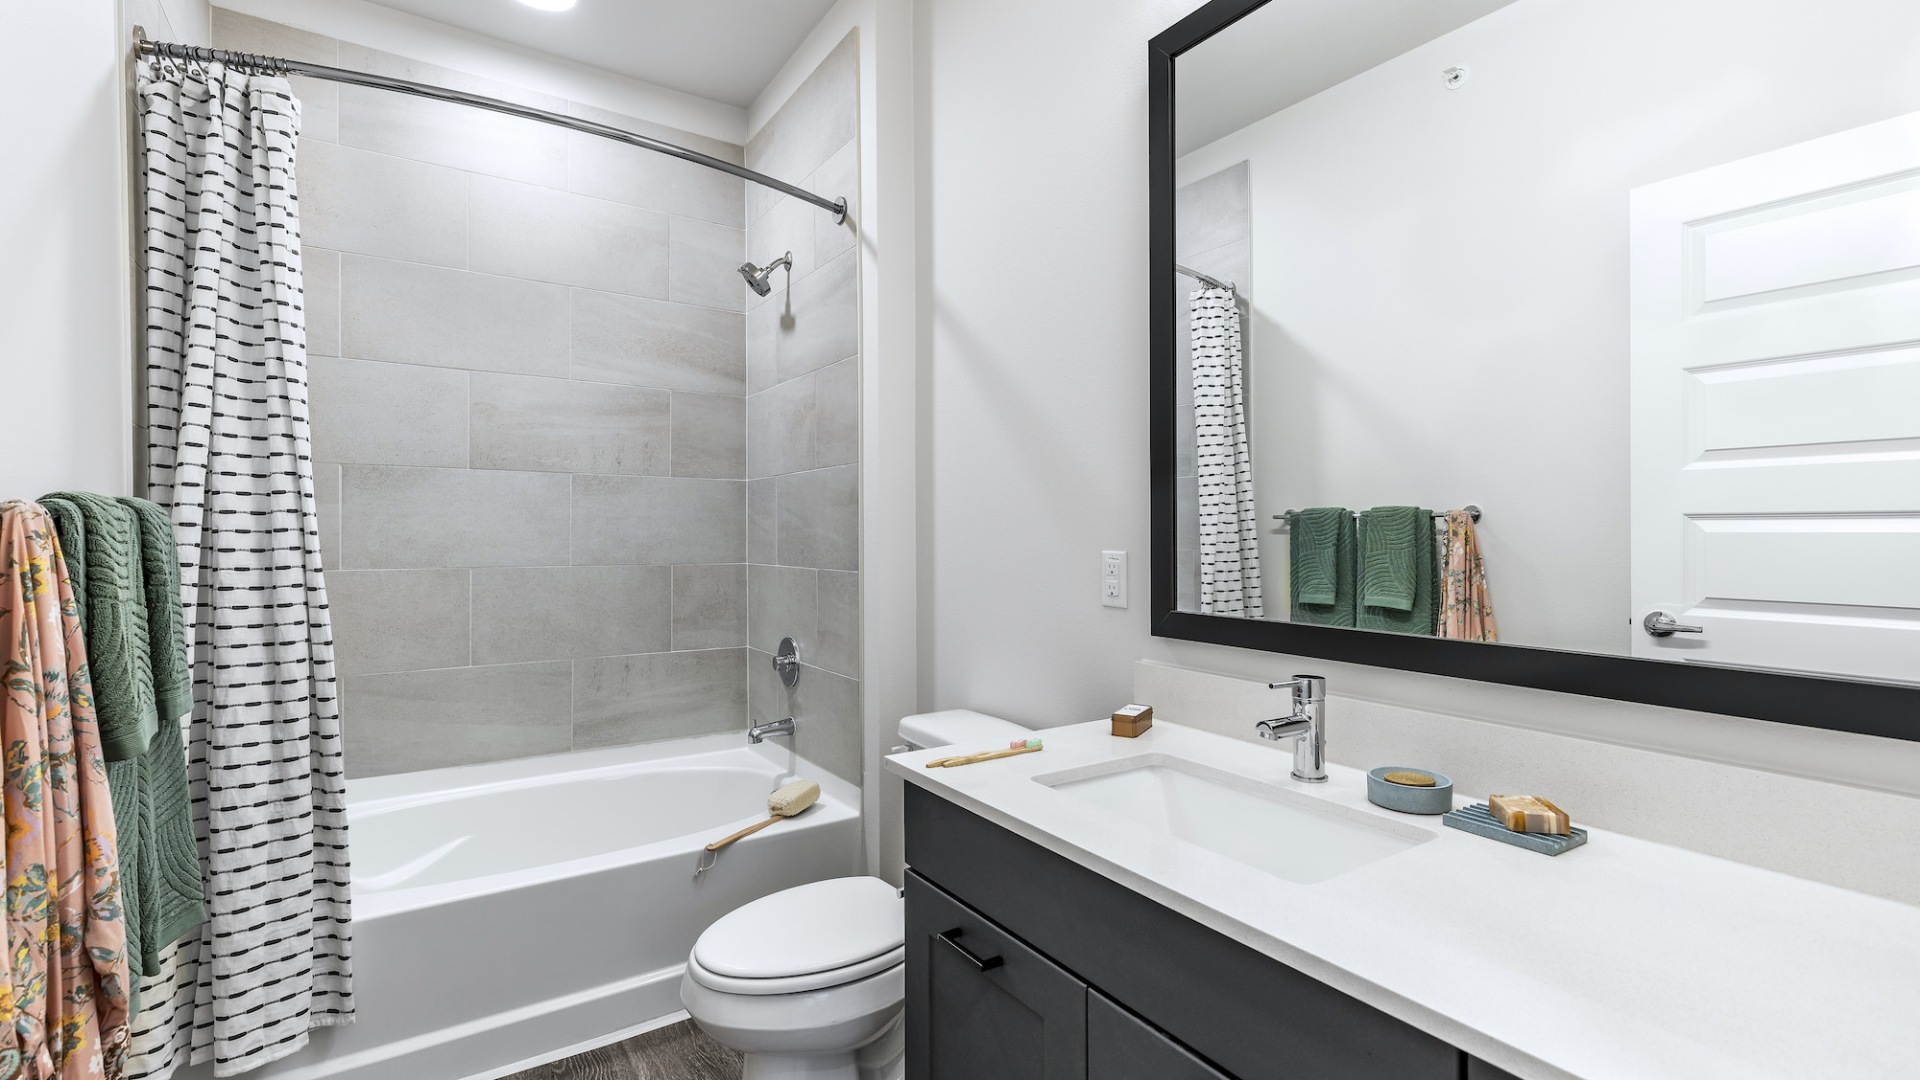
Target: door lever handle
x,y
1661,624
984,963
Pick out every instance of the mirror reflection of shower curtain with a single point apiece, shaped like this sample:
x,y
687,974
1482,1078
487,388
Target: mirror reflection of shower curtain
x,y
1229,527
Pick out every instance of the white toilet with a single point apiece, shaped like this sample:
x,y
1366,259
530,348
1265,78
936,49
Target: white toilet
x,y
810,982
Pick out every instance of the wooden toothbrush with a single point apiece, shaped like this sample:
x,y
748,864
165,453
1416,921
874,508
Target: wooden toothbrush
x,y
1017,746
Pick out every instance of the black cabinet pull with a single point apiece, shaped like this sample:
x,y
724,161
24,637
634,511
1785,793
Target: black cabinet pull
x,y
983,963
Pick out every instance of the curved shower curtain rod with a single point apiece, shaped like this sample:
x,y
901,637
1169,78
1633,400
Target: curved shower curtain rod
x,y
198,55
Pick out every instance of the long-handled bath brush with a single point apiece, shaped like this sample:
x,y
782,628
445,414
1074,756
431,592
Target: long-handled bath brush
x,y
783,803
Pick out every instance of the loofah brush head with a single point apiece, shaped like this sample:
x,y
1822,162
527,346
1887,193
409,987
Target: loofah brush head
x,y
793,798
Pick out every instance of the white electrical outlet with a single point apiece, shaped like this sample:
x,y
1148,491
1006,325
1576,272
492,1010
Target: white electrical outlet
x,y
1113,578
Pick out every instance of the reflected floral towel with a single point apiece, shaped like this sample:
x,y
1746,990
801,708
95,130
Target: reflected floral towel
x,y
1466,612
65,998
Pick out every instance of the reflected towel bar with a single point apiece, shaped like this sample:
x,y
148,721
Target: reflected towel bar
x,y
1438,515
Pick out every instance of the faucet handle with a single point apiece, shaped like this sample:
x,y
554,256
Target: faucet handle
x,y
1304,687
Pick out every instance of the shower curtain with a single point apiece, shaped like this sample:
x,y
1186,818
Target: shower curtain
x,y
1229,527
229,459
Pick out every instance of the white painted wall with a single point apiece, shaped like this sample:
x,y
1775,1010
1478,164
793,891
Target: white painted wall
x,y
65,357
889,378
1035,316
1439,310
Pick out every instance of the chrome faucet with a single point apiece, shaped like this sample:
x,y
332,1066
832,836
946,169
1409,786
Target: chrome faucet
x,y
761,732
1307,726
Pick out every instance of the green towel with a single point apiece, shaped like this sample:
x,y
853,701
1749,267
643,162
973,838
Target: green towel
x,y
160,881
166,622
115,623
173,892
1399,571
1320,565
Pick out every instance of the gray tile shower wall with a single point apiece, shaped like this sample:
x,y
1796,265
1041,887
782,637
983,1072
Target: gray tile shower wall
x,y
528,353
803,419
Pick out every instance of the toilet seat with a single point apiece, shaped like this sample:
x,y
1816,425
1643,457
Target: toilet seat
x,y
795,984
827,933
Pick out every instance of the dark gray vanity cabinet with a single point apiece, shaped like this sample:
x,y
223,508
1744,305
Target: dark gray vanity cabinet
x,y
992,1006
1015,954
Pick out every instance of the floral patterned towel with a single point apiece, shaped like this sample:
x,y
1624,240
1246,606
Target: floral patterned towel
x,y
63,1002
1466,611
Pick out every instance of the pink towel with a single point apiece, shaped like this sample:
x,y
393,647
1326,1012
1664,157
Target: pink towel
x,y
1466,612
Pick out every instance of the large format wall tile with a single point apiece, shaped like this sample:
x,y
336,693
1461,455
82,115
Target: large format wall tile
x,y
459,136
818,326
782,601
569,612
781,420
709,607
619,700
606,169
394,518
371,204
558,425
762,522
532,232
819,518
836,645
704,265
413,720
787,228
370,413
839,177
430,315
320,299
376,62
399,620
628,339
710,436
820,117
836,410
658,520
326,509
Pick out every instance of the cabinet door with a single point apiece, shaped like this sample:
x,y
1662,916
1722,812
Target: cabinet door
x,y
1121,1046
982,1006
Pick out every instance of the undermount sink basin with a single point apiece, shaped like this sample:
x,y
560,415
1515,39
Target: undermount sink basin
x,y
1288,835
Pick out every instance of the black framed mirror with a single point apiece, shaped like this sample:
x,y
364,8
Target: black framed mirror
x,y
1564,346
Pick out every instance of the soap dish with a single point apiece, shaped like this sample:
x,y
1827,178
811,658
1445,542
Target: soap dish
x,y
1477,820
1437,799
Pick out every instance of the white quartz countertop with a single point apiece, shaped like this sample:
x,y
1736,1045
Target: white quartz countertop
x,y
1620,960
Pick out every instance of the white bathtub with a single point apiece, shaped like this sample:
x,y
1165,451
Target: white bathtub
x,y
513,913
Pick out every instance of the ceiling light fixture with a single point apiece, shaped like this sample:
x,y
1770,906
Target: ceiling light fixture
x,y
549,5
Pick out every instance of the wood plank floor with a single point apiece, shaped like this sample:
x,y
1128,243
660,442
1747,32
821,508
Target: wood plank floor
x,y
677,1052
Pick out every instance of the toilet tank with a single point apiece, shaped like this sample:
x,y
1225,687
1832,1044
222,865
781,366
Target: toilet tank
x,y
953,726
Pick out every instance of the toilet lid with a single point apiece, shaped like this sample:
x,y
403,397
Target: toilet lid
x,y
806,929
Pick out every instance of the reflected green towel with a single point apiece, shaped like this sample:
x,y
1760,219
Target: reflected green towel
x,y
1399,571
1320,565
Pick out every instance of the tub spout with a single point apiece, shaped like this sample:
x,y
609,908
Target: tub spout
x,y
760,732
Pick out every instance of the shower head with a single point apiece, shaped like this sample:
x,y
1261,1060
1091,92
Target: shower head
x,y
758,278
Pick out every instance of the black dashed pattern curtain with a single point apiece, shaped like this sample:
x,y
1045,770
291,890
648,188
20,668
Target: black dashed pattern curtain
x,y
1229,525
228,457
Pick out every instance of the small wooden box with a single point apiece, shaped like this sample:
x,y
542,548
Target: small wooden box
x,y
1129,722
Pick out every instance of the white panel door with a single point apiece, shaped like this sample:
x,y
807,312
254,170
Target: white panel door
x,y
1776,408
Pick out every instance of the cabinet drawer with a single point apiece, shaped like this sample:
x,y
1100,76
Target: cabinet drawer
x,y
983,1006
1121,1046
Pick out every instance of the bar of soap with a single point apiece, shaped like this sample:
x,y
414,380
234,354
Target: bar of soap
x,y
1408,778
1529,814
1132,721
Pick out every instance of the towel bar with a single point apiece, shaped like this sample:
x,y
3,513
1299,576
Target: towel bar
x,y
1438,515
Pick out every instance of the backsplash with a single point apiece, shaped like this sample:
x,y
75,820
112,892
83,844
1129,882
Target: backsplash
x,y
1828,832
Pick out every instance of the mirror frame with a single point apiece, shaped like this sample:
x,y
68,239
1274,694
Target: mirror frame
x,y
1889,710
